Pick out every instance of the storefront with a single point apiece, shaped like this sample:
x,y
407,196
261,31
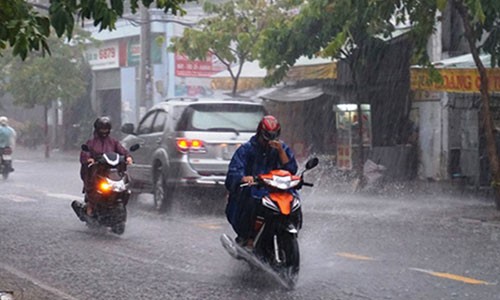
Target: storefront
x,y
451,140
349,132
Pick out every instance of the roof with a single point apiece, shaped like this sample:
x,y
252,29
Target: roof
x,y
180,101
306,61
250,69
294,94
460,62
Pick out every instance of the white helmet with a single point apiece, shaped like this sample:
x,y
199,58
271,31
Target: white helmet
x,y
4,120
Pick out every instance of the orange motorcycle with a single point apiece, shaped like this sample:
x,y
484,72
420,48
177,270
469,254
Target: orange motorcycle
x,y
279,219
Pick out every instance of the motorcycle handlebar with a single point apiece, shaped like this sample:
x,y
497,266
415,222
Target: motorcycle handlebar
x,y
257,182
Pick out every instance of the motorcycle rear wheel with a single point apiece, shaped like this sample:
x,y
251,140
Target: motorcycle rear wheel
x,y
118,228
5,171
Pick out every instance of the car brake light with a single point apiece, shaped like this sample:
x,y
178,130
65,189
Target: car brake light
x,y
184,145
196,144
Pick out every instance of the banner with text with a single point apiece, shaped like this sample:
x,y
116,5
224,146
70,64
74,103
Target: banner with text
x,y
104,57
455,80
184,67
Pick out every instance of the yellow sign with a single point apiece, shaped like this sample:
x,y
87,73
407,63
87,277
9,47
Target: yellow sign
x,y
244,84
455,80
321,71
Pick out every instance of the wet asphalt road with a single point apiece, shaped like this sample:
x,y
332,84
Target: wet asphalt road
x,y
408,244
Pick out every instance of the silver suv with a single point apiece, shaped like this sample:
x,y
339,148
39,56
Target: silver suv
x,y
188,142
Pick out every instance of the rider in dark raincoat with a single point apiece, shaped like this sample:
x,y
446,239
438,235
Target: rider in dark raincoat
x,y
261,154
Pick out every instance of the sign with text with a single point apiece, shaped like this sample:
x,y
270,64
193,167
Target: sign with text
x,y
455,80
184,67
104,57
133,52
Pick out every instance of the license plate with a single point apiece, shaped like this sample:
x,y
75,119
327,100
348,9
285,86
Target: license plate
x,y
226,152
7,157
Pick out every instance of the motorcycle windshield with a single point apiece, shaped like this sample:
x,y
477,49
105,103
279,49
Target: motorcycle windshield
x,y
258,193
114,175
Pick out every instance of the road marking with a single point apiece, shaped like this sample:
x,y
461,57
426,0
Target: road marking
x,y
353,256
19,199
210,226
155,262
63,196
36,282
453,277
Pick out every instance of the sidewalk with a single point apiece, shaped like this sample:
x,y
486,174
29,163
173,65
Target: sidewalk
x,y
472,205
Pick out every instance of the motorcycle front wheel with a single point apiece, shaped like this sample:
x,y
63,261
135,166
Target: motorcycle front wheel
x,y
291,259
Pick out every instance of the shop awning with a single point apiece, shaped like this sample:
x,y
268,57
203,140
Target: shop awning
x,y
312,68
294,94
251,77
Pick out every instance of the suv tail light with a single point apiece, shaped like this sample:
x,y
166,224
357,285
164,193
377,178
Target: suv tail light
x,y
186,145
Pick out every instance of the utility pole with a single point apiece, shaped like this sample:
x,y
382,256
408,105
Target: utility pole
x,y
144,86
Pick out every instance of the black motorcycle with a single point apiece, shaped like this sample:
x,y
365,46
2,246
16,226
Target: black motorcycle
x,y
5,162
108,190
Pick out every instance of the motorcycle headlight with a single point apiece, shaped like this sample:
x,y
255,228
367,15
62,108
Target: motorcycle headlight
x,y
108,185
104,186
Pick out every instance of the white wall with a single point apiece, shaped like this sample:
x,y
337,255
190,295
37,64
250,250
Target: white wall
x,y
433,137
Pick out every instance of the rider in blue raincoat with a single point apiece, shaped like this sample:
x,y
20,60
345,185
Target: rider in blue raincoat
x,y
261,154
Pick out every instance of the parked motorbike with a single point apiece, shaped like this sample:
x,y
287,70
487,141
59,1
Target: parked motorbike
x,y
279,219
109,191
5,162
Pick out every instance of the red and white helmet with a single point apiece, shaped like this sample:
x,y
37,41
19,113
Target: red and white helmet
x,y
269,128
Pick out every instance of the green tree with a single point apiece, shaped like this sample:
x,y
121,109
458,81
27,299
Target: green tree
x,y
24,29
343,28
355,31
42,80
480,17
230,32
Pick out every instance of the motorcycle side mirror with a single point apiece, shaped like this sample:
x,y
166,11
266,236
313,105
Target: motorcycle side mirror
x,y
128,128
85,148
134,147
311,163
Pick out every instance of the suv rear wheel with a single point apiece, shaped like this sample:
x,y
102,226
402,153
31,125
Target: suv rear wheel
x,y
162,191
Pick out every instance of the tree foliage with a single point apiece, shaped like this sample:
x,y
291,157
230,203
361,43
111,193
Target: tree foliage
x,y
231,32
481,20
336,28
40,80
25,29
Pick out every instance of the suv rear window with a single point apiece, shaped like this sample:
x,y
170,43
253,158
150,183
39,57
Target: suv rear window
x,y
219,117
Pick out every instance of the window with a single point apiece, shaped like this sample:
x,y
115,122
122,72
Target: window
x,y
218,117
159,122
146,123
